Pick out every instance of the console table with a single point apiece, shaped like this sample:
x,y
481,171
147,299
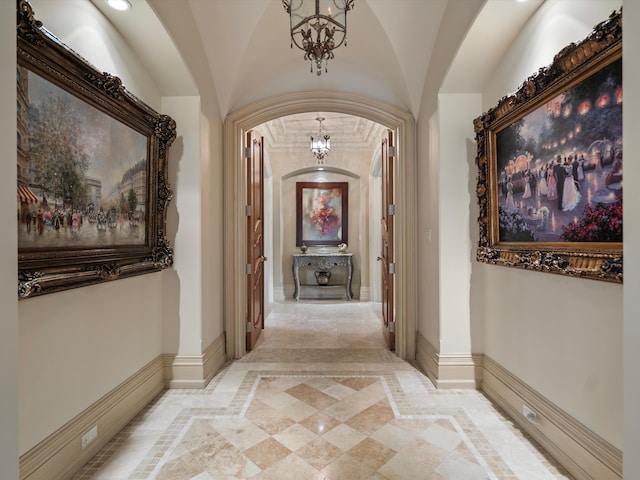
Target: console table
x,y
324,261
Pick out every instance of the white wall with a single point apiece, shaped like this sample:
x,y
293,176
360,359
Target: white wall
x,y
631,125
92,36
431,157
562,336
8,247
210,221
183,332
455,137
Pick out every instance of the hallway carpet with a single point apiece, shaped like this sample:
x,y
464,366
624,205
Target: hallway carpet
x,y
321,398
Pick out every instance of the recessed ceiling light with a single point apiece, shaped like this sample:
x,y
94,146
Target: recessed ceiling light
x,y
121,5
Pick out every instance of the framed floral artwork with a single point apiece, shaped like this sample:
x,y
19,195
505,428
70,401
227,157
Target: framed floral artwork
x,y
550,165
321,213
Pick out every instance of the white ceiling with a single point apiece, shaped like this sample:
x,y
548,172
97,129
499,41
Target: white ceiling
x,y
346,131
243,47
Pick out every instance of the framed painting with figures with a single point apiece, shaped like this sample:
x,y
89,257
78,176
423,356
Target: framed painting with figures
x,y
549,159
91,170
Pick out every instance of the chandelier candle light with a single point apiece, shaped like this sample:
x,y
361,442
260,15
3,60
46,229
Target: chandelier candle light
x,y
320,144
329,23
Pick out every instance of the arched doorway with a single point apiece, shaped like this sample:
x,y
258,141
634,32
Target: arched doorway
x,y
246,118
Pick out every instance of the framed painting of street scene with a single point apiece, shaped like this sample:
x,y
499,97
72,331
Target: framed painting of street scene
x,y
91,170
550,176
321,213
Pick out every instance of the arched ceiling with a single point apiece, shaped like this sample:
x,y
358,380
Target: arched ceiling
x,y
248,50
236,52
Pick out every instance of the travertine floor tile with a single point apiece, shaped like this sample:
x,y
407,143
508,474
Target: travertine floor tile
x,y
320,398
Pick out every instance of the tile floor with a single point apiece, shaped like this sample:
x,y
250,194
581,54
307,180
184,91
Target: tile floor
x,y
320,398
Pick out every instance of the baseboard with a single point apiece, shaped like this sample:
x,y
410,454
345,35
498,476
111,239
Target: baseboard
x,y
278,294
583,453
60,455
448,370
194,371
365,294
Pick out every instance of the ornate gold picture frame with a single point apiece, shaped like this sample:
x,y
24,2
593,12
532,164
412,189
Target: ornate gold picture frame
x,y
92,167
549,161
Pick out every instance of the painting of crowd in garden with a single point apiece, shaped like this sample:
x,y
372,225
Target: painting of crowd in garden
x,y
559,168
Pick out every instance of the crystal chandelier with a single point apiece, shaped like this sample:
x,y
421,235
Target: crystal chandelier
x,y
316,33
320,144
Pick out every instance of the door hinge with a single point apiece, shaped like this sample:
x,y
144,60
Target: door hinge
x,y
392,151
392,268
248,327
247,210
248,269
247,152
392,327
392,209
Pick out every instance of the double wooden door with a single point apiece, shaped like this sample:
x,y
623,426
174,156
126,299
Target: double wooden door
x,y
255,239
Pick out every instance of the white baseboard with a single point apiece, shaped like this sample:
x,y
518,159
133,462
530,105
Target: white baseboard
x,y
194,371
365,294
60,455
449,370
278,294
583,453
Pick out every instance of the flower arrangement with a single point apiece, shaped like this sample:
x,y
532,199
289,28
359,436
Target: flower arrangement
x,y
513,227
323,215
599,223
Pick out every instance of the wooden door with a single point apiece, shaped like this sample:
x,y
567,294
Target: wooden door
x,y
388,266
255,238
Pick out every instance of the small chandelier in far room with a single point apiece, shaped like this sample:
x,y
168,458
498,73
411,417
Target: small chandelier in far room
x,y
320,144
329,25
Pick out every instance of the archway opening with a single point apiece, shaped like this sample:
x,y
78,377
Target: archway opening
x,y
249,117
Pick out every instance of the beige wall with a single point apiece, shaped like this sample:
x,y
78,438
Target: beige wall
x,y
433,191
572,356
284,168
631,120
73,349
562,336
8,245
76,346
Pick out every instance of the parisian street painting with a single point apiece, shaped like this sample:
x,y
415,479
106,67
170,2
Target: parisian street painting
x,y
559,168
82,175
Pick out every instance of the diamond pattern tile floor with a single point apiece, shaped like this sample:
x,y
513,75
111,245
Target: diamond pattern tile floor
x,y
320,398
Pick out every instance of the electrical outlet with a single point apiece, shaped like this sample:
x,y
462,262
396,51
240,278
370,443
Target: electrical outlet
x,y
529,414
89,436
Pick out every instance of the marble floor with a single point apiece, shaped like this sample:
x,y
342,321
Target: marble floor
x,y
321,398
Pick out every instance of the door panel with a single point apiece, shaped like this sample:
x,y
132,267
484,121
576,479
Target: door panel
x,y
388,266
255,239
